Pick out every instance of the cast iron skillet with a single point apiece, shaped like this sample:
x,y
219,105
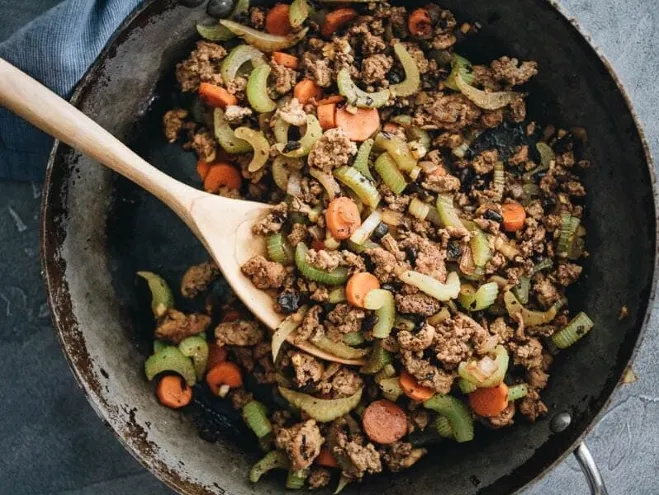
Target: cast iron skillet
x,y
98,230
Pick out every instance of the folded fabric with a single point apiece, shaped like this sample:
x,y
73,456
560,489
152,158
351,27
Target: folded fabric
x,y
57,49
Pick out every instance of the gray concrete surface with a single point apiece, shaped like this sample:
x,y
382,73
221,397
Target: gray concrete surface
x,y
52,442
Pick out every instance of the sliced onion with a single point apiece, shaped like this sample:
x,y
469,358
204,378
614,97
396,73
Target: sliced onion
x,y
294,186
483,99
285,329
327,181
365,230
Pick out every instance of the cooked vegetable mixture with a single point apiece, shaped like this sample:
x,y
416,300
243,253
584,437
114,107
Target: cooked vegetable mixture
x,y
424,235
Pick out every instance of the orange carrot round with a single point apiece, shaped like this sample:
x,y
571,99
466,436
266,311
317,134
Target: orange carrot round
x,y
327,115
332,99
336,20
325,458
513,217
358,286
222,174
384,422
490,401
342,217
276,20
286,60
307,89
202,169
224,374
419,23
358,126
173,392
412,389
216,355
216,96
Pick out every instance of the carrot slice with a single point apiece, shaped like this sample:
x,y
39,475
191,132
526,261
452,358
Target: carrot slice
x,y
342,217
384,422
276,21
332,99
358,126
490,401
358,286
222,174
286,60
325,458
173,392
327,115
224,376
412,389
202,169
419,23
513,217
337,19
216,355
216,96
307,89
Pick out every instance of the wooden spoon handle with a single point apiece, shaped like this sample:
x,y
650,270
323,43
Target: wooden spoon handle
x,y
44,109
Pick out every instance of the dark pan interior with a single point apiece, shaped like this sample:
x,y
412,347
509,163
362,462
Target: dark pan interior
x,y
99,230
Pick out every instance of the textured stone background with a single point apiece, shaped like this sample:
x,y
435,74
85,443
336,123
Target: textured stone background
x,y
52,442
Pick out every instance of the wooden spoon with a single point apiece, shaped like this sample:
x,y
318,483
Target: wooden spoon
x,y
223,225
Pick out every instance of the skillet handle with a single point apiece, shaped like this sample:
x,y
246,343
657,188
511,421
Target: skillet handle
x,y
589,468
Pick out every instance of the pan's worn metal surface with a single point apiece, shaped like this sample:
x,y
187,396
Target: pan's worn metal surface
x,y
98,230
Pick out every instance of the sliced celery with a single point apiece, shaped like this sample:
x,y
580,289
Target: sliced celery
x,y
382,301
363,188
499,180
226,137
457,414
295,479
322,410
196,347
361,160
516,392
264,41
337,276
443,427
172,359
579,326
478,300
466,387
278,249
447,212
480,248
547,154
468,370
522,289
162,298
275,459
303,146
260,145
359,97
364,231
298,13
398,149
462,66
238,57
391,389
432,286
569,226
388,171
339,349
255,415
353,339
412,81
378,359
257,90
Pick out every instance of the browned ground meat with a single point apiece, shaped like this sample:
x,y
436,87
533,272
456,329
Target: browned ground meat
x,y
198,278
292,113
174,122
285,78
419,341
236,114
375,68
174,326
343,319
427,374
450,112
240,397
264,274
317,69
512,72
531,406
204,144
363,459
301,442
420,304
311,324
343,383
308,369
203,65
332,150
239,333
273,222
503,419
323,259
318,478
298,234
387,267
402,455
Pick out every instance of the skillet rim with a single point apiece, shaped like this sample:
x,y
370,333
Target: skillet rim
x,y
53,281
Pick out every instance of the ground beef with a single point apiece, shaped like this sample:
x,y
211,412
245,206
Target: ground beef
x,y
512,72
422,63
429,256
197,278
568,273
292,113
204,144
418,304
174,326
264,274
323,259
236,114
174,121
311,325
301,442
239,333
441,183
504,332
362,459
531,406
419,341
203,65
503,419
449,112
401,455
284,77
332,150
273,222
545,291
394,201
427,374
518,110
308,370
317,69
537,378
318,478
528,354
493,118
298,234
240,397
237,87
375,68
244,357
343,383
387,267
257,17
321,294
343,319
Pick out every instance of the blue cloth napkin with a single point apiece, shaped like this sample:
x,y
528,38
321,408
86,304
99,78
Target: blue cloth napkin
x,y
56,49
